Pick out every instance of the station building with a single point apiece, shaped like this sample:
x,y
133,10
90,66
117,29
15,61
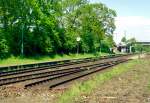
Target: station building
x,y
125,48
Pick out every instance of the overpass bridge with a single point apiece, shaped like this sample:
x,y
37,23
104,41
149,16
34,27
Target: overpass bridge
x,y
144,43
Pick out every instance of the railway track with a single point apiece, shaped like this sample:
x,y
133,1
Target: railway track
x,y
49,77
52,66
32,69
20,68
9,80
58,80
55,73
48,65
79,75
44,64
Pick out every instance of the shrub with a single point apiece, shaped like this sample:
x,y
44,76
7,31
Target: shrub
x,y
4,49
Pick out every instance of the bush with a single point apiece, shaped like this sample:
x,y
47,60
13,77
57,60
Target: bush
x,y
4,49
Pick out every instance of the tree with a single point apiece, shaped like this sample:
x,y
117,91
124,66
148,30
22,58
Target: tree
x,y
124,40
131,41
41,27
96,21
4,49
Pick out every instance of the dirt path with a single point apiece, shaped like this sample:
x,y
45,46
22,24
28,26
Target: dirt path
x,y
130,87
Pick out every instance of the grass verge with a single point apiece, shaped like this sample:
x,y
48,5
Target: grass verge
x,y
86,87
148,86
18,60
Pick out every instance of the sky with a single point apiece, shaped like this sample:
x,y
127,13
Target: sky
x,y
133,18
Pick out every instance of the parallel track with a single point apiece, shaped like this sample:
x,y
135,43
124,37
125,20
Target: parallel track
x,y
50,76
33,69
56,73
55,81
40,66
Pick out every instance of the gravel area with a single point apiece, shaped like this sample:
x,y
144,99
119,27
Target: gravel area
x,y
130,87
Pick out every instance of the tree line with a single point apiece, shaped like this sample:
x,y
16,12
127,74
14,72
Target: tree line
x,y
44,27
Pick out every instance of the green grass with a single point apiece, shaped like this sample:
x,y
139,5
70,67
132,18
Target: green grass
x,y
148,86
18,60
86,87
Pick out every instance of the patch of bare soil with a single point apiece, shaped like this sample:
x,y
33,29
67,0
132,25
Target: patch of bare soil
x,y
130,87
18,95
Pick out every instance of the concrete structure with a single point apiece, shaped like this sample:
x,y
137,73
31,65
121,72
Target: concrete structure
x,y
122,47
144,43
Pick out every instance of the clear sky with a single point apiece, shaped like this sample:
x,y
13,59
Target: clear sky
x,y
133,17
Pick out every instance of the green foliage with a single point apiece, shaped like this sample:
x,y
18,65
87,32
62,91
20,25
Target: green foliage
x,y
4,49
131,41
140,48
124,40
13,60
52,26
147,49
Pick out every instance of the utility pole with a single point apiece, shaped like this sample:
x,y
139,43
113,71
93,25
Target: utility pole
x,y
78,40
22,31
100,47
125,34
22,40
